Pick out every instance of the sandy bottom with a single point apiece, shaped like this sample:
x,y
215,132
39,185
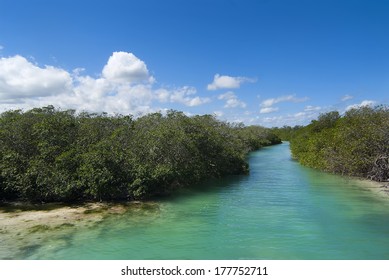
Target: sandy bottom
x,y
23,228
380,189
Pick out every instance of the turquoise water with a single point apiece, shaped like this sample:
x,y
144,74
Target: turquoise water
x,y
280,211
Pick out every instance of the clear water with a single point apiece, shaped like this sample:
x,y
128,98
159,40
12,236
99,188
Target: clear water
x,y
280,211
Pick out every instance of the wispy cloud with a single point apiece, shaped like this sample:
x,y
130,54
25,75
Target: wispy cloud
x,y
286,98
231,100
228,82
310,108
267,106
347,97
183,95
299,118
268,110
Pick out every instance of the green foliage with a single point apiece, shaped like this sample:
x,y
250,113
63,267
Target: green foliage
x,y
356,144
53,155
286,132
255,137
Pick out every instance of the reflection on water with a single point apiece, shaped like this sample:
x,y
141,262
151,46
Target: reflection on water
x,y
280,211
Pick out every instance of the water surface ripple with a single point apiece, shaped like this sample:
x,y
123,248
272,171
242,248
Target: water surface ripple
x,y
280,211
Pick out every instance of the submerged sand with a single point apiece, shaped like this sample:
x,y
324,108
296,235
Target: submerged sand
x,y
379,189
22,229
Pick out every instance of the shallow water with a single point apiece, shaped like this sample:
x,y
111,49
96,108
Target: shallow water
x,y
280,211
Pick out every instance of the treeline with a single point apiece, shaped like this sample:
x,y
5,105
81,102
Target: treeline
x,y
48,154
286,133
355,144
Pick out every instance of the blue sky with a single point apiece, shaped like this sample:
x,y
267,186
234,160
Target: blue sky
x,y
266,62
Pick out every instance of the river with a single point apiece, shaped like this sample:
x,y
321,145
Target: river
x,y
281,210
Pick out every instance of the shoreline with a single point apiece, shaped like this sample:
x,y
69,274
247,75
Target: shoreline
x,y
379,189
23,230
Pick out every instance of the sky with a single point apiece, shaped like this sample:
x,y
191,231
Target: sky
x,y
260,62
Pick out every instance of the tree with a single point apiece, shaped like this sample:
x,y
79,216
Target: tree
x,y
48,154
356,144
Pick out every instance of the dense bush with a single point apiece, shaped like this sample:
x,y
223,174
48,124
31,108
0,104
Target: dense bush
x,y
53,155
355,144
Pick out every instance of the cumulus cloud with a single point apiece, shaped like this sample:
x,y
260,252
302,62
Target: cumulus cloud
x,y
227,82
364,103
231,100
124,86
20,78
125,67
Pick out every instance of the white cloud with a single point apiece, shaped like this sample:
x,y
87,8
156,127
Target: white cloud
x,y
135,99
274,121
94,88
1,47
310,108
268,110
226,96
162,95
183,95
347,97
78,71
233,103
196,101
267,106
124,86
227,82
20,78
231,100
287,98
367,103
300,114
299,118
125,67
364,103
218,114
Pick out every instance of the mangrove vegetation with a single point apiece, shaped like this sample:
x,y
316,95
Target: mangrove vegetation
x,y
48,154
353,144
